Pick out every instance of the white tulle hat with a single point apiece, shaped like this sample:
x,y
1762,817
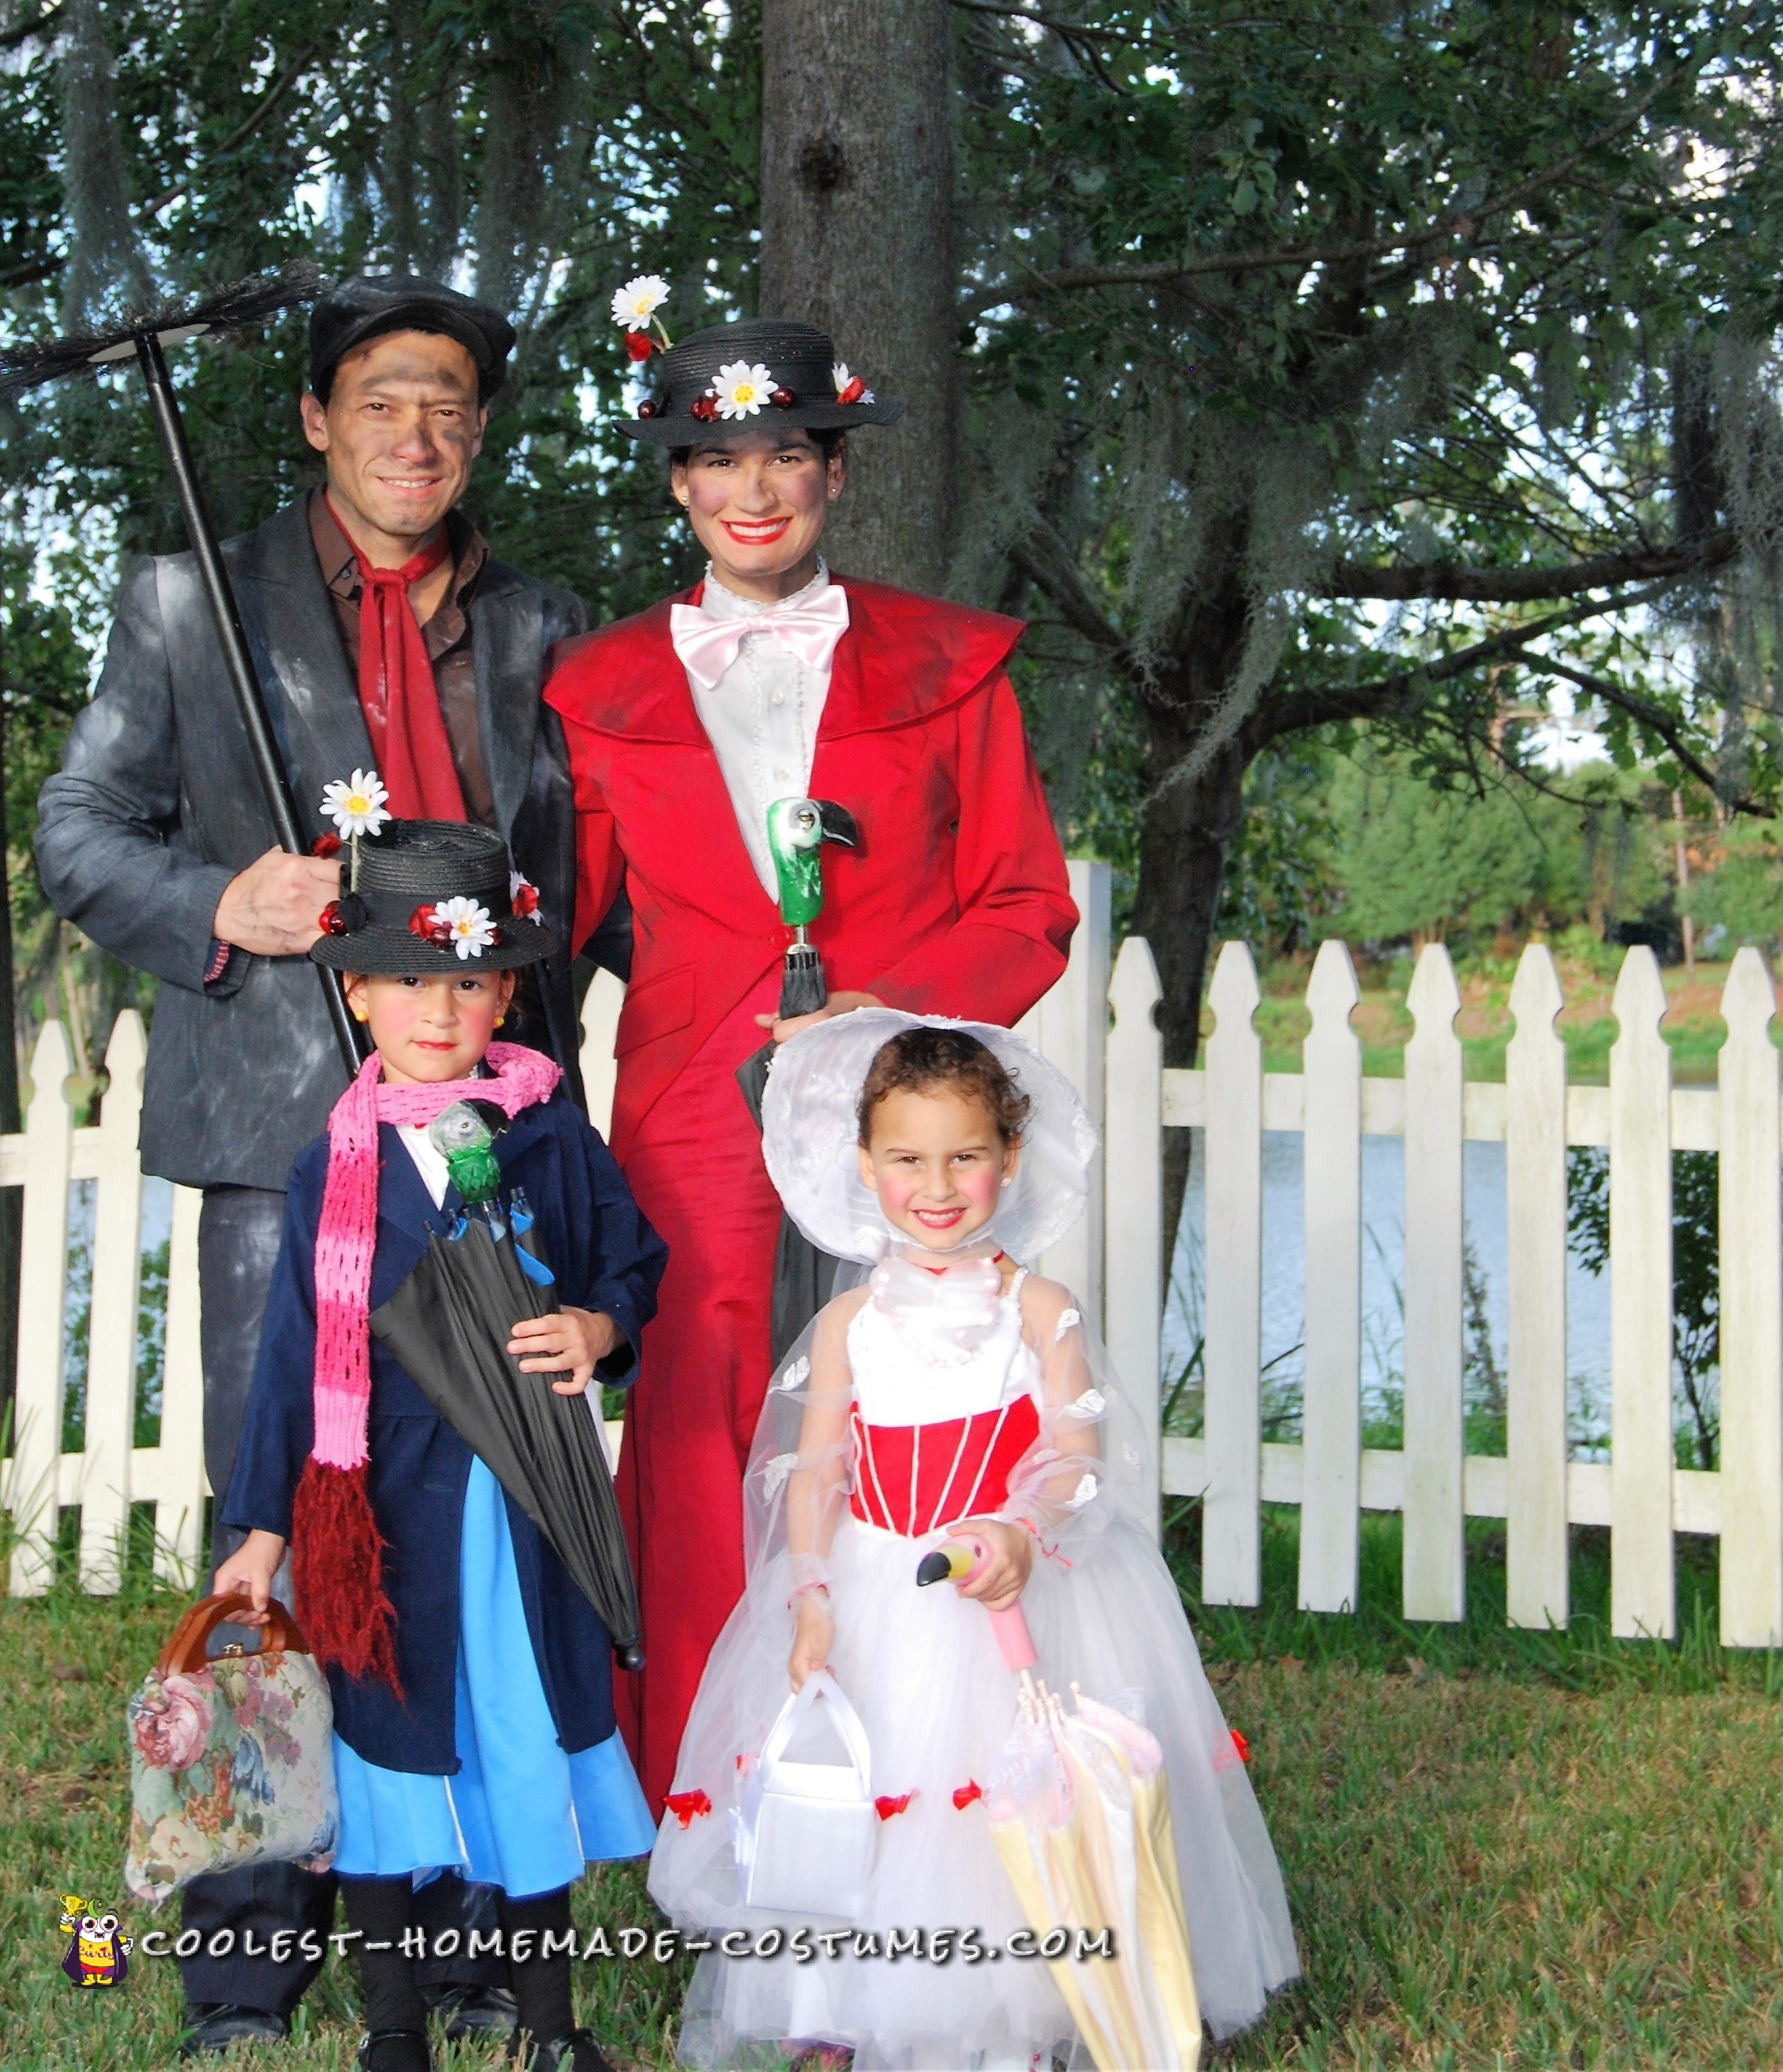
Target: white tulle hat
x,y
810,1129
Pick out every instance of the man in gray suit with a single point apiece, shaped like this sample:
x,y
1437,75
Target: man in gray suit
x,y
154,840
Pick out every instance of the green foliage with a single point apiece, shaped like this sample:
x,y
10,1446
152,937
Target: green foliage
x,y
1279,884
1742,893
1417,856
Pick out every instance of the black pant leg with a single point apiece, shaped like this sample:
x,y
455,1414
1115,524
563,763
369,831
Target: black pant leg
x,y
238,1910
238,1234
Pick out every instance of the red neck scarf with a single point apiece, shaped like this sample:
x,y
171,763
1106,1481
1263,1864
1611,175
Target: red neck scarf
x,y
396,691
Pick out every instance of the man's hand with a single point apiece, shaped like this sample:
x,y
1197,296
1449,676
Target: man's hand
x,y
250,1570
271,908
1004,1576
577,1339
838,1003
814,1638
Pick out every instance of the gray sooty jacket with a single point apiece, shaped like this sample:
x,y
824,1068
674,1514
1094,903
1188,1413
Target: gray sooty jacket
x,y
158,807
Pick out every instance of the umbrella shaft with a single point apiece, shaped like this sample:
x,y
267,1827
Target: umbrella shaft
x,y
235,659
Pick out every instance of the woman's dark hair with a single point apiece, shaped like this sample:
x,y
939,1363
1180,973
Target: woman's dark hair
x,y
826,439
920,1060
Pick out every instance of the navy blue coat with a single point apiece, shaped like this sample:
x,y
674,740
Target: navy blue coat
x,y
605,1257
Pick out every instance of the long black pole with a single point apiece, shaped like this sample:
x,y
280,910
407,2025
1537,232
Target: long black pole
x,y
243,681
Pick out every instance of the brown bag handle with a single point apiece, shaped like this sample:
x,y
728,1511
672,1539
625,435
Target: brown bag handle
x,y
185,1649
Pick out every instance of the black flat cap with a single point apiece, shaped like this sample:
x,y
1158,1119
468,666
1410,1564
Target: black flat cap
x,y
801,387
371,304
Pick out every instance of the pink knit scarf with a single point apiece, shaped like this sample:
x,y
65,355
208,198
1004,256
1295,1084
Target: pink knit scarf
x,y
347,1234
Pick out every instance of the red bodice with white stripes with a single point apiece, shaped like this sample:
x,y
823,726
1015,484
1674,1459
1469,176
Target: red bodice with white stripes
x,y
944,1407
915,1479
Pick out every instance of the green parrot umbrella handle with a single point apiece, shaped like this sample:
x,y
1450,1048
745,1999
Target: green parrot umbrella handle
x,y
797,829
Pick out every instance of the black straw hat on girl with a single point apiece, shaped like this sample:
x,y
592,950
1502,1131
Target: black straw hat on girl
x,y
434,898
740,376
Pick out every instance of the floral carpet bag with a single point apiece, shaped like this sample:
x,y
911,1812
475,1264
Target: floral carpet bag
x,y
232,1760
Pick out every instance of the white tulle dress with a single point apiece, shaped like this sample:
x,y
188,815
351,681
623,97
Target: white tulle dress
x,y
924,1398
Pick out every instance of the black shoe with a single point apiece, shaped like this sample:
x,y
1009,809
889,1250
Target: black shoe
x,y
472,2013
214,2024
394,2050
577,2052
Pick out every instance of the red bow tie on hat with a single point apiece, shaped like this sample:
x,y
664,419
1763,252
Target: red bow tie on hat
x,y
809,627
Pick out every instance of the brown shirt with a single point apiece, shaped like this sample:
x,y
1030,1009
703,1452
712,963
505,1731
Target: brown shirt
x,y
446,636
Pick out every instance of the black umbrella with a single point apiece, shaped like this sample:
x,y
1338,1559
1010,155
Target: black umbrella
x,y
449,1324
249,303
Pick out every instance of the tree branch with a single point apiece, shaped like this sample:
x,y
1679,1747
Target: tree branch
x,y
1460,224
1389,697
22,32
243,130
1647,714
1047,562
1460,583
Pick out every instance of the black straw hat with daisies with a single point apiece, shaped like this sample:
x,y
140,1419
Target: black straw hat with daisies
x,y
739,377
435,899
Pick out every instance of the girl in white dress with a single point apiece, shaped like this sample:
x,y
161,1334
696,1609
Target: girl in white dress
x,y
956,1392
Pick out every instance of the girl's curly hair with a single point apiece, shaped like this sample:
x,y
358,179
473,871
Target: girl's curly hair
x,y
919,1060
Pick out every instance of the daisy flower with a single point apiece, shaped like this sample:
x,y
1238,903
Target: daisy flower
x,y
638,301
359,806
742,389
468,927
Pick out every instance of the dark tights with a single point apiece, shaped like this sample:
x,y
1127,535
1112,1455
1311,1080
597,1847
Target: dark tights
x,y
380,1908
541,1984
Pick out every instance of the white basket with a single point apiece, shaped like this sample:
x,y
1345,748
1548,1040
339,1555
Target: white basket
x,y
806,1833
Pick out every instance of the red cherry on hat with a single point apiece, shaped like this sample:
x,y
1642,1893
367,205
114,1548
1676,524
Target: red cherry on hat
x,y
326,845
637,345
856,389
425,925
330,920
782,399
704,408
647,409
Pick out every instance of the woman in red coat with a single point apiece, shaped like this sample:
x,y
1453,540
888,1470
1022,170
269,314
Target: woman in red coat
x,y
772,680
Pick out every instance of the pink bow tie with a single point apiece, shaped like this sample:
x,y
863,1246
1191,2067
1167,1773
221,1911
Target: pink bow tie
x,y
708,646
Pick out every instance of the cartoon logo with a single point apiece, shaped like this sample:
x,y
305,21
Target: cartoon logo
x,y
98,1952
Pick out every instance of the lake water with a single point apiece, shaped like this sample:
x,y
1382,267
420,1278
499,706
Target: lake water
x,y
1383,1279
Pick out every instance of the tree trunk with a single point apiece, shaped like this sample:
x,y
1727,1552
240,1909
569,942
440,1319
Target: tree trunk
x,y
12,1200
856,237
1187,834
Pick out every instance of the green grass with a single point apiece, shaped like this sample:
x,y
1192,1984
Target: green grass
x,y
1502,1849
67,1664
1508,1849
1693,1029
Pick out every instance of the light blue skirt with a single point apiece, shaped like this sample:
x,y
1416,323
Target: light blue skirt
x,y
520,1814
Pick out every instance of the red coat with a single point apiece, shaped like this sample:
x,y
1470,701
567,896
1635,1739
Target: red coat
x,y
955,903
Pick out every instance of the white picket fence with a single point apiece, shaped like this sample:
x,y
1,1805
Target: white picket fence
x,y
1099,1024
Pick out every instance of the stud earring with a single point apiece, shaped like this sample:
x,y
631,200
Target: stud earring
x,y
499,1020
1005,1180
361,1014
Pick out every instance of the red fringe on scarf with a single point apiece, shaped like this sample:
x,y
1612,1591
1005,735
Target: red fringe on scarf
x,y
337,1574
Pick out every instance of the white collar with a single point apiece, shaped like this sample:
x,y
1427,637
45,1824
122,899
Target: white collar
x,y
718,602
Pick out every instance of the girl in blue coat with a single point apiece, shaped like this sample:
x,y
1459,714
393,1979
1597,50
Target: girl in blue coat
x,y
471,1679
